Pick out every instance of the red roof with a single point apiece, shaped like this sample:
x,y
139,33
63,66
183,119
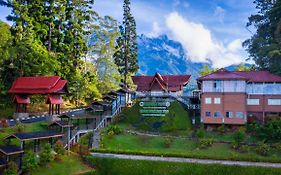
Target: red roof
x,y
161,82
54,99
39,85
20,99
252,76
259,76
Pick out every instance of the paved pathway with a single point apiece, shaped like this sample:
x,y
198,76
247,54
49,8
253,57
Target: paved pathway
x,y
189,160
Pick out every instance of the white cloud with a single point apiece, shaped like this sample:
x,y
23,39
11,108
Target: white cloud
x,y
219,13
156,30
199,44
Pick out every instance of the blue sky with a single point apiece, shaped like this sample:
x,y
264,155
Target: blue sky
x,y
207,29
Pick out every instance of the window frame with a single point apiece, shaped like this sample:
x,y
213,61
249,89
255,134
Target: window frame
x,y
239,112
229,116
216,98
273,99
209,112
208,98
217,112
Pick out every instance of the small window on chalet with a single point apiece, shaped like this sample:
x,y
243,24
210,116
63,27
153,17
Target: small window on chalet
x,y
217,86
239,115
229,114
208,114
217,114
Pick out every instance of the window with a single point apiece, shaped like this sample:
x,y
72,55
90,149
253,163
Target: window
x,y
239,115
217,114
253,101
208,114
208,100
217,86
217,100
274,101
229,114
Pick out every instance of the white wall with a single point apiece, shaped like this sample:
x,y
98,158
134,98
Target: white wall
x,y
225,86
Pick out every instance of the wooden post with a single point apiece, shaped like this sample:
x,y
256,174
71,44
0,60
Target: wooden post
x,y
58,109
49,109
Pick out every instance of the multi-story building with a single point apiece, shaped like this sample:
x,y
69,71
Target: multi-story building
x,y
235,97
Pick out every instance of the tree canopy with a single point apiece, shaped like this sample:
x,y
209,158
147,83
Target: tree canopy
x,y
265,44
65,38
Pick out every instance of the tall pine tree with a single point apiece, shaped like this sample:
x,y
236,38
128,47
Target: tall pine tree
x,y
127,52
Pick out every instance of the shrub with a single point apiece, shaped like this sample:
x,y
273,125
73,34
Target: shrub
x,y
221,129
58,148
167,142
12,169
110,134
277,147
263,149
204,143
239,136
200,133
244,148
114,129
19,127
46,155
270,131
29,162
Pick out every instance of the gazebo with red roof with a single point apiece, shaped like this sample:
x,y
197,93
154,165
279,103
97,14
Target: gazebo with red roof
x,y
52,86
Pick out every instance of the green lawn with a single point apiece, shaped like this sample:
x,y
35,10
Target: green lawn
x,y
127,143
176,121
139,167
69,165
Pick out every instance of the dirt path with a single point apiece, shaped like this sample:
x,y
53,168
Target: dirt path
x,y
188,160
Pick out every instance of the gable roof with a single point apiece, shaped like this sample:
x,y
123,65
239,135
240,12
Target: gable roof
x,y
21,99
250,76
39,85
222,74
259,76
54,99
165,82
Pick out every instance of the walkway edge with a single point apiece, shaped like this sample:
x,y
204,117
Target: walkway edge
x,y
187,160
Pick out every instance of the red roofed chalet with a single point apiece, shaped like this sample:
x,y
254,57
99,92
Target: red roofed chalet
x,y
161,83
52,86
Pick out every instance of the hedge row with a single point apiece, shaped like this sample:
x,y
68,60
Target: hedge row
x,y
184,155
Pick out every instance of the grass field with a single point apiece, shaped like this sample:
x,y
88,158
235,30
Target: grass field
x,y
175,121
69,165
110,166
135,144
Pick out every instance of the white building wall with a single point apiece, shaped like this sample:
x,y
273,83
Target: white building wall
x,y
264,88
224,86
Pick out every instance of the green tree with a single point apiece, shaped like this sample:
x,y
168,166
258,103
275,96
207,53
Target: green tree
x,y
239,136
102,46
11,169
206,70
46,155
29,162
265,44
127,51
242,67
